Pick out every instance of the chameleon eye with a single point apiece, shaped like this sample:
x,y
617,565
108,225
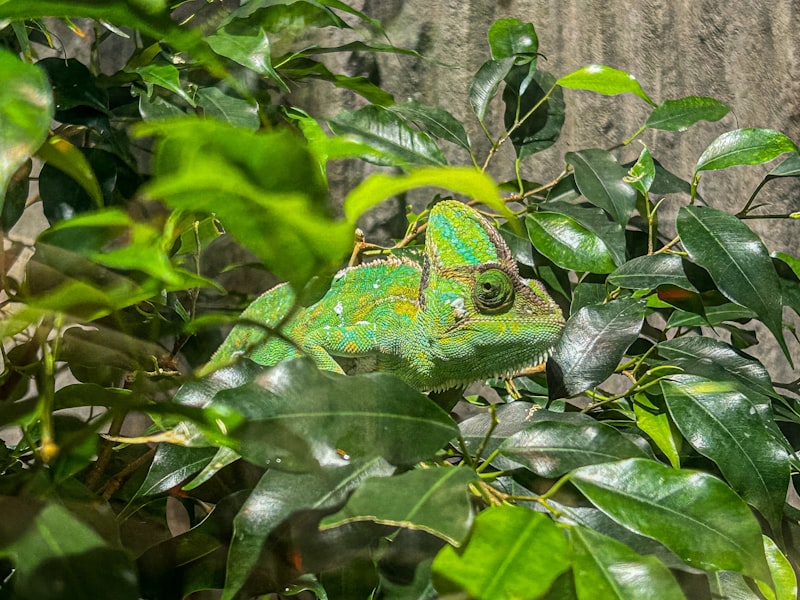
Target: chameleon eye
x,y
493,292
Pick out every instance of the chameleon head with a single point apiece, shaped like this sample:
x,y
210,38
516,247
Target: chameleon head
x,y
480,317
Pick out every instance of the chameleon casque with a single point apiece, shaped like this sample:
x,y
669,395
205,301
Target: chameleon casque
x,y
464,315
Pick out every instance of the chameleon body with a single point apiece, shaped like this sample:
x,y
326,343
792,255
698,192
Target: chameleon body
x,y
465,314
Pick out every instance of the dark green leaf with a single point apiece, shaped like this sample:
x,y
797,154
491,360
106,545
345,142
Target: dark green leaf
x,y
432,500
485,83
649,272
680,114
26,108
711,316
604,80
73,85
305,68
518,572
789,167
172,465
389,135
277,496
595,220
744,147
68,159
601,179
606,568
723,425
522,93
435,120
593,343
553,448
693,514
568,244
737,261
512,38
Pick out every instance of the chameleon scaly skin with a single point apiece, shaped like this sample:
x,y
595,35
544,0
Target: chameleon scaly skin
x,y
465,315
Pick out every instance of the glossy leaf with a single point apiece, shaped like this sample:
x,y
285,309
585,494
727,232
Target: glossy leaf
x,y
484,85
251,51
682,113
593,343
650,272
789,167
655,423
783,576
165,76
390,135
433,500
276,497
553,448
172,465
643,173
522,93
606,568
723,425
711,316
26,108
604,80
664,503
596,221
518,573
744,147
60,153
437,121
737,261
601,180
568,244
512,38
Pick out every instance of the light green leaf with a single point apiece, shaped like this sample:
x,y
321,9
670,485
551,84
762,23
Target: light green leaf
x,y
737,261
680,114
517,573
656,424
26,108
432,500
642,174
251,51
744,147
236,111
512,38
165,76
783,577
604,80
694,514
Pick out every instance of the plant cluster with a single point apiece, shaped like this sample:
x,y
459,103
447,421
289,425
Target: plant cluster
x,y
652,459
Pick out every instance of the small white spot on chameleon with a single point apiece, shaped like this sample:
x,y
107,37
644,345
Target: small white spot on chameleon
x,y
376,285
339,308
458,308
363,323
327,327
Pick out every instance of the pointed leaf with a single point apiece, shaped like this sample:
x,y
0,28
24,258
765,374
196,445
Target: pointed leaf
x,y
604,80
60,153
789,167
26,108
236,111
643,173
737,261
552,448
517,573
435,120
432,500
744,147
655,422
484,85
389,134
251,51
601,179
723,425
693,514
783,575
595,220
606,568
165,76
682,113
593,343
512,38
521,94
649,272
568,244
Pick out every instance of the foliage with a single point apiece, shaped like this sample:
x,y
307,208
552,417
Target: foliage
x,y
359,487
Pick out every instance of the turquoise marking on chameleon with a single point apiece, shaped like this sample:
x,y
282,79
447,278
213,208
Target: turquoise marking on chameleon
x,y
434,332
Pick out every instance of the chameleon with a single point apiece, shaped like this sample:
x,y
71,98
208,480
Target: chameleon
x,y
463,315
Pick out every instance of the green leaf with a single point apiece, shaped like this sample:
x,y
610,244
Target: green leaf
x,y
522,93
251,51
606,568
389,135
643,173
783,575
277,496
433,500
484,85
711,316
601,180
650,272
568,244
305,418
723,425
462,180
604,80
236,111
682,113
693,514
512,38
654,422
165,76
737,261
593,343
171,466
596,221
26,108
435,120
61,154
744,147
789,167
517,573
553,448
